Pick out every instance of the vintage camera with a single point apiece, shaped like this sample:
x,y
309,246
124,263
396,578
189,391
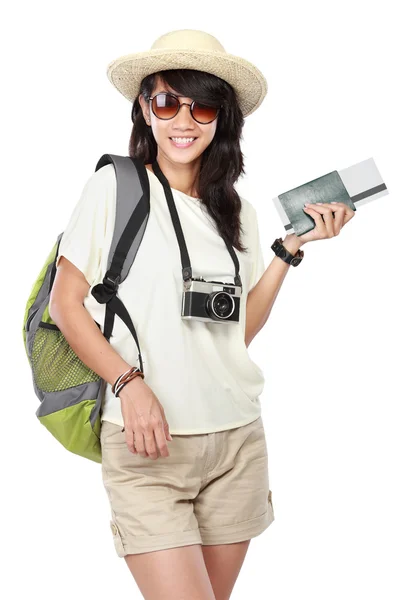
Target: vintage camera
x,y
211,301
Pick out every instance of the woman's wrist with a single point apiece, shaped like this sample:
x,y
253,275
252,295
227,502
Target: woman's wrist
x,y
292,243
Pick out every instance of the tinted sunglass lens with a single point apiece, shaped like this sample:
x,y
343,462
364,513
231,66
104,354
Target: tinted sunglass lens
x,y
165,106
204,113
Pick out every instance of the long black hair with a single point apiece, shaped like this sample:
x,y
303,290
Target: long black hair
x,y
221,162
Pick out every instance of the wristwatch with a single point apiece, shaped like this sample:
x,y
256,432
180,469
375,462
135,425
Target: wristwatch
x,y
285,255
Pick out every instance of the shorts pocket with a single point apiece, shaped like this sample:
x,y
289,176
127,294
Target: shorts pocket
x,y
111,434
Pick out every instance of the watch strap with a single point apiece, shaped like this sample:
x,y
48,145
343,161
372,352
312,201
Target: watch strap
x,y
285,255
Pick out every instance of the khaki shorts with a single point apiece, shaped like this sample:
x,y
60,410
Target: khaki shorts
x,y
213,488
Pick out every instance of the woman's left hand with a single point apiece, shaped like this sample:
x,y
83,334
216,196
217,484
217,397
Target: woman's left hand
x,y
326,225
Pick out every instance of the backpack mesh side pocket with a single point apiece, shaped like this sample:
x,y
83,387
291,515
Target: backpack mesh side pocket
x,y
54,364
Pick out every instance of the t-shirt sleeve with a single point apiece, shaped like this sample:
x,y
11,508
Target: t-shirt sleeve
x,y
83,238
258,266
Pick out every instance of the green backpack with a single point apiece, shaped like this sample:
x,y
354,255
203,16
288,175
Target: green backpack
x,y
70,393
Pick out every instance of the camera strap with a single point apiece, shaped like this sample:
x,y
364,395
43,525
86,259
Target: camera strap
x,y
185,260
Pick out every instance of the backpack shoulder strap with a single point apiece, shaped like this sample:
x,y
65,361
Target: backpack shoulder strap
x,y
132,214
132,211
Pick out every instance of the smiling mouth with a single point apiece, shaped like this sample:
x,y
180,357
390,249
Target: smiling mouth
x,y
183,144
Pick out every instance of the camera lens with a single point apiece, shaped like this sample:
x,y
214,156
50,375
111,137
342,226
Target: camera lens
x,y
220,304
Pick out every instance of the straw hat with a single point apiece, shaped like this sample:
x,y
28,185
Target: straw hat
x,y
190,49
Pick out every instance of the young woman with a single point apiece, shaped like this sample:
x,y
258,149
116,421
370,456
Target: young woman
x,y
184,507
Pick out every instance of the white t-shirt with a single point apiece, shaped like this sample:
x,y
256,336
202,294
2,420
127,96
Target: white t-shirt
x,y
201,372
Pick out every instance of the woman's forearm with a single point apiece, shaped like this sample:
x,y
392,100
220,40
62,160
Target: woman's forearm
x,y
261,298
87,341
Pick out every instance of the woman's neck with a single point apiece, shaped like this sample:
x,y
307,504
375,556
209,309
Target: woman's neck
x,y
181,177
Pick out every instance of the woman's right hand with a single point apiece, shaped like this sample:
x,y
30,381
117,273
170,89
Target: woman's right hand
x,y
144,420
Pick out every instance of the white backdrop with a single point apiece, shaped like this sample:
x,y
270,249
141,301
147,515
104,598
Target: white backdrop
x,y
329,350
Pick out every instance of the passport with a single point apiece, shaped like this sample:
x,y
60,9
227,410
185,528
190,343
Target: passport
x,y
355,186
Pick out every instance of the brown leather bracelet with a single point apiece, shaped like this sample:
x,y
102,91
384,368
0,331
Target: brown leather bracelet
x,y
129,378
123,377
132,376
126,378
123,384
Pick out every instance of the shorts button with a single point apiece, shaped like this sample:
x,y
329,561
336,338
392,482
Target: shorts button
x,y
114,529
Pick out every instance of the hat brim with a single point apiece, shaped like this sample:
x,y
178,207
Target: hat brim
x,y
126,72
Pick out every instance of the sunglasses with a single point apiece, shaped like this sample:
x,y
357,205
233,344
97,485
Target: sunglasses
x,y
166,106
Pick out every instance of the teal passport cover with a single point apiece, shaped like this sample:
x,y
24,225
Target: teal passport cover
x,y
325,189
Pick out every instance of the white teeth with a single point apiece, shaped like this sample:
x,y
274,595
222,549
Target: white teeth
x,y
182,140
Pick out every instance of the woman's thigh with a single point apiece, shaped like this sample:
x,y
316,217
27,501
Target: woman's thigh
x,y
172,573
